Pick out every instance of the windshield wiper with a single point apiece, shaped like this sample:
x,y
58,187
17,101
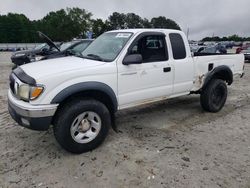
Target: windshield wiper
x,y
97,57
78,55
73,53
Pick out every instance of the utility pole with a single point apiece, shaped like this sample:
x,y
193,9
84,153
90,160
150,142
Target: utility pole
x,y
187,32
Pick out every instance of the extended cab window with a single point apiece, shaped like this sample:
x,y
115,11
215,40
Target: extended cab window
x,y
151,47
178,46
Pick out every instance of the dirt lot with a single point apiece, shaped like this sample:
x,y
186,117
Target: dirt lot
x,y
169,144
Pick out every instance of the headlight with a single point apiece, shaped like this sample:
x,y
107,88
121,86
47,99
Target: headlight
x,y
24,91
19,55
27,92
38,58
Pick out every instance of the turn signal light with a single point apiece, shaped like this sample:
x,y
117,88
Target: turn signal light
x,y
36,92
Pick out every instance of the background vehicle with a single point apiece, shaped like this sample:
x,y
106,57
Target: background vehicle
x,y
227,44
197,48
49,50
245,45
121,69
75,47
246,53
216,49
27,56
237,43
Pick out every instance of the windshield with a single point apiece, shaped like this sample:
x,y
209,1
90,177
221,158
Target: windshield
x,y
66,45
79,48
107,46
40,46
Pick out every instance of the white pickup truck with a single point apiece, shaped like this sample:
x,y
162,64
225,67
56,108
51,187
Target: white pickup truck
x,y
80,95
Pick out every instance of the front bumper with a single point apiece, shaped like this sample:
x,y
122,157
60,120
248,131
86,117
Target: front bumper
x,y
35,117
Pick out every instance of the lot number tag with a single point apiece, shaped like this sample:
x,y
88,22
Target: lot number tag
x,y
123,35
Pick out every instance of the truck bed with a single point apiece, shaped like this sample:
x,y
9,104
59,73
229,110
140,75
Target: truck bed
x,y
205,63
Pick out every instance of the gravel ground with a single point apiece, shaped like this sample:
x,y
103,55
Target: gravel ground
x,y
168,144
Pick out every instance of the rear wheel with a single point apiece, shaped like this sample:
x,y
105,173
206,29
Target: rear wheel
x,y
82,125
214,96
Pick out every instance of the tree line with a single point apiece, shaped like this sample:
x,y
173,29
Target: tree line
x,y
235,38
66,24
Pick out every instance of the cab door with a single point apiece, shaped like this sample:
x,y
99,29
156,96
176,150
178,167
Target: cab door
x,y
183,64
152,79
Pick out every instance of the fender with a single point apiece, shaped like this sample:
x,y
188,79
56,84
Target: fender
x,y
86,86
222,72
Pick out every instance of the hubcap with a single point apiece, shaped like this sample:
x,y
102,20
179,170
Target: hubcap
x,y
85,127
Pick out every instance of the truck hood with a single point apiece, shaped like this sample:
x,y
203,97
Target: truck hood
x,y
42,69
48,40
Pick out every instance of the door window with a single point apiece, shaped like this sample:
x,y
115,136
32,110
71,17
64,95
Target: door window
x,y
151,47
178,46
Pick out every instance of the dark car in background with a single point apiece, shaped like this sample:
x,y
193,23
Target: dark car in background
x,y
49,50
75,47
27,56
217,49
227,44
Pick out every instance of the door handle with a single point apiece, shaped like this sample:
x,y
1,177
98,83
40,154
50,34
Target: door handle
x,y
129,73
167,69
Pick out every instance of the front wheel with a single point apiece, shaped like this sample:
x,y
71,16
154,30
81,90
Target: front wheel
x,y
82,125
214,96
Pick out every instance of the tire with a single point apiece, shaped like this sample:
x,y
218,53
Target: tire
x,y
214,96
82,125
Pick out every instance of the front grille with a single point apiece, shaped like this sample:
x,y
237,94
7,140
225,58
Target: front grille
x,y
12,83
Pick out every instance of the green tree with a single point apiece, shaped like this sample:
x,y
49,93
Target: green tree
x,y
127,21
81,19
64,25
116,21
14,28
98,27
57,25
234,38
163,22
133,21
146,23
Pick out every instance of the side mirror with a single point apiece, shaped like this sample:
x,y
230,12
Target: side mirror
x,y
132,59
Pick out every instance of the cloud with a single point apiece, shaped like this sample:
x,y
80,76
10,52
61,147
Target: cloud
x,y
203,18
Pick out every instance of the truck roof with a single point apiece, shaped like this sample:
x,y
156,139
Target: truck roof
x,y
147,30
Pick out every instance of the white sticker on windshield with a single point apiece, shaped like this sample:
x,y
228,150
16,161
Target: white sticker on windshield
x,y
123,35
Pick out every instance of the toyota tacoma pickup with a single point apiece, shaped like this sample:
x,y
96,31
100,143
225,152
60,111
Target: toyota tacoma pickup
x,y
79,95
